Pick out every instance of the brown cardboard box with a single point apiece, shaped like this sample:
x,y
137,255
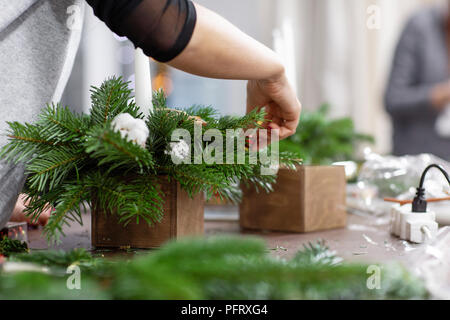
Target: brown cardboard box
x,y
309,199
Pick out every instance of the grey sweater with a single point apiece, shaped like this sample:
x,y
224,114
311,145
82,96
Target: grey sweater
x,y
421,61
37,50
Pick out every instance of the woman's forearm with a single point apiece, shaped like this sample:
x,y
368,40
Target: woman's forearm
x,y
220,50
198,41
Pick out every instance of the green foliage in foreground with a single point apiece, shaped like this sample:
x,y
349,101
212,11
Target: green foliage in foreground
x,y
321,141
9,247
214,268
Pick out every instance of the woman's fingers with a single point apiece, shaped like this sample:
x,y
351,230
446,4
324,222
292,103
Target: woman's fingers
x,y
289,109
283,130
282,106
45,216
284,122
20,216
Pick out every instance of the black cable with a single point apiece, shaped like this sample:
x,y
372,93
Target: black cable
x,y
420,204
422,179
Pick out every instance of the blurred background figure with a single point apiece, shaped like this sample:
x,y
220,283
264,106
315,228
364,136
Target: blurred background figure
x,y
418,92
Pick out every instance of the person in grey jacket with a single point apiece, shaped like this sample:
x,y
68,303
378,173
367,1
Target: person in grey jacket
x,y
419,87
38,42
37,51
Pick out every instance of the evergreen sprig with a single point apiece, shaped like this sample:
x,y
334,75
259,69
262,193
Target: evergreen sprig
x,y
107,145
10,247
49,169
25,139
322,141
222,268
135,197
74,159
61,126
110,99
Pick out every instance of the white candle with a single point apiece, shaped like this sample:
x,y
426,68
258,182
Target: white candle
x,y
284,46
143,82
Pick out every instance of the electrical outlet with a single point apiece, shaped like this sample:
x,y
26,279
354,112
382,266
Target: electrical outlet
x,y
412,226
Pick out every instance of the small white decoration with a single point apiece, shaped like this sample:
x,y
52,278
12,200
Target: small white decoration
x,y
179,151
132,129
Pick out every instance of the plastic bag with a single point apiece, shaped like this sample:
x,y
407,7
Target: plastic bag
x,y
397,177
431,262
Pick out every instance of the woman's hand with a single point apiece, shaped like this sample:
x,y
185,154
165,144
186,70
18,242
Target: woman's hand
x,y
440,96
20,216
282,106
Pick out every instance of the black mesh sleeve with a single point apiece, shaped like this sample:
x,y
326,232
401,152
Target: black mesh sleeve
x,y
161,28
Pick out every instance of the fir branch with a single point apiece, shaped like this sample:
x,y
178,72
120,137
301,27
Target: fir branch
x,y
67,209
136,198
25,141
206,113
47,170
214,268
109,148
159,100
112,98
253,119
10,247
320,140
34,140
290,160
144,202
195,179
38,202
59,258
220,180
161,123
316,253
60,125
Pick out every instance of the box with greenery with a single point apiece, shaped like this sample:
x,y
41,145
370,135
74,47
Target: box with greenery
x,y
119,163
312,198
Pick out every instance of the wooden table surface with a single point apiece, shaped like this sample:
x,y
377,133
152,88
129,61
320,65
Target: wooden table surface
x,y
365,239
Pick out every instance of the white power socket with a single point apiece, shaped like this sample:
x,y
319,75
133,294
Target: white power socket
x,y
412,226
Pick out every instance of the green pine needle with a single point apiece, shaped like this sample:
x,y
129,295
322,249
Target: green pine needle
x,y
107,146
322,141
10,247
